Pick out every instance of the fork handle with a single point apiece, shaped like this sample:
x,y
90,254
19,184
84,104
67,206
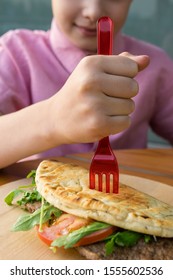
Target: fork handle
x,y
105,43
105,36
104,146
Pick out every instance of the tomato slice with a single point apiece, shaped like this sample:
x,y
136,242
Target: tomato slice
x,y
63,225
67,223
95,236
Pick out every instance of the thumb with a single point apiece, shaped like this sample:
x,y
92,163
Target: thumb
x,y
141,60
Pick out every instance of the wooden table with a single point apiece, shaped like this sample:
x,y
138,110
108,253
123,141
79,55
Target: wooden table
x,y
153,164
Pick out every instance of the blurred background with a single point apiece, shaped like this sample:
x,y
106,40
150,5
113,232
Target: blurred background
x,y
149,20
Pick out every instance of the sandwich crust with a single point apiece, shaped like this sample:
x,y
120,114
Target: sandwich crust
x,y
66,186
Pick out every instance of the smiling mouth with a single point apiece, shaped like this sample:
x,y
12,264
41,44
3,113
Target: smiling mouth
x,y
86,31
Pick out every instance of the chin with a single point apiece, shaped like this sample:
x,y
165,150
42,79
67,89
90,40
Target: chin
x,y
87,47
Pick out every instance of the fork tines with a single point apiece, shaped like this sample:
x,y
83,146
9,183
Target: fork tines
x,y
104,182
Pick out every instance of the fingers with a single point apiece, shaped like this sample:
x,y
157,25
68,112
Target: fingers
x,y
141,60
117,124
118,107
120,65
118,86
114,75
125,64
109,116
107,126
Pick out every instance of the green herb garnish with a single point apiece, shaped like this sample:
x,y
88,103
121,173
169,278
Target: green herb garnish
x,y
122,238
12,195
29,197
29,193
32,174
72,238
28,221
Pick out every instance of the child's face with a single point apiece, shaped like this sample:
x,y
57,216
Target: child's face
x,y
77,18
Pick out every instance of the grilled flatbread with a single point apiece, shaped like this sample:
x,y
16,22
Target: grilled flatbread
x,y
66,187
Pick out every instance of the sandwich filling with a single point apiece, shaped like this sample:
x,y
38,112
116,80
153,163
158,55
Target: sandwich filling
x,y
66,187
66,213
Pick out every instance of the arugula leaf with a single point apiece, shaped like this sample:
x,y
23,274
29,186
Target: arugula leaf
x,y
127,238
28,196
28,221
109,246
12,195
31,196
147,238
41,214
32,175
72,238
122,238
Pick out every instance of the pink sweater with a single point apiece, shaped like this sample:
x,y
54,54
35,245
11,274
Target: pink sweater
x,y
34,65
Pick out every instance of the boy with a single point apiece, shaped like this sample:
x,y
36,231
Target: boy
x,y
55,92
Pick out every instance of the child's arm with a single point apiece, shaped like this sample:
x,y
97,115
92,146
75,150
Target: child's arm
x,y
94,102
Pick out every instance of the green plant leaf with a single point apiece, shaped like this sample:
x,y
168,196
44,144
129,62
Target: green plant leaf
x,y
72,238
12,195
29,197
21,190
32,175
28,221
124,238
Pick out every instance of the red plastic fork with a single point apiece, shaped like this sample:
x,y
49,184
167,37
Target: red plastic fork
x,y
104,171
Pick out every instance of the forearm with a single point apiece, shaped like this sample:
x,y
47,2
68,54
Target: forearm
x,y
24,133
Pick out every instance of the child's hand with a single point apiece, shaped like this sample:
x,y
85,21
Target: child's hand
x,y
96,100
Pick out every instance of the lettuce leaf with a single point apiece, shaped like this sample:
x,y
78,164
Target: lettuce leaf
x,y
124,238
67,241
12,195
28,221
30,195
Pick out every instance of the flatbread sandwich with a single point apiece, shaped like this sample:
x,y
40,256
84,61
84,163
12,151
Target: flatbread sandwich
x,y
127,225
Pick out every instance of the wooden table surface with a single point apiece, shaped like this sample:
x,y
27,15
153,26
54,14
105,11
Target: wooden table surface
x,y
152,164
155,164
